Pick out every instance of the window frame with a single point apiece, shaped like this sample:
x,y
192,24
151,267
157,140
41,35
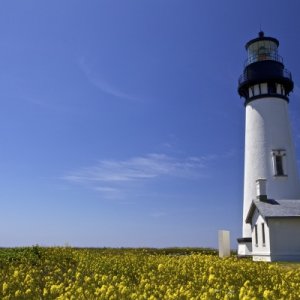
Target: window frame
x,y
256,235
263,234
279,162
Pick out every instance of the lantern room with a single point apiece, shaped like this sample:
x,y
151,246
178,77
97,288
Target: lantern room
x,y
262,48
264,72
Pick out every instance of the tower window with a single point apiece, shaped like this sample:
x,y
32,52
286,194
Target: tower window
x,y
264,88
280,89
251,91
256,90
272,88
279,162
279,166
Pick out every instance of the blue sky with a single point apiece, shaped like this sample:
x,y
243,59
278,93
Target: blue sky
x,y
120,122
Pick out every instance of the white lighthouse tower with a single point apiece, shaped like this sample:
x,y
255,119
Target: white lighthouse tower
x,y
269,151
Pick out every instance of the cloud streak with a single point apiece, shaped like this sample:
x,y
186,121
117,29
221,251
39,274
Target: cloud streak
x,y
137,168
110,177
103,85
113,178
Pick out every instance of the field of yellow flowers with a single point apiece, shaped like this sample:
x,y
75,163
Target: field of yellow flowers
x,y
69,273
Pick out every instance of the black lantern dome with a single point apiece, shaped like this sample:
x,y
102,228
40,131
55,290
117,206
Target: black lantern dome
x,y
264,73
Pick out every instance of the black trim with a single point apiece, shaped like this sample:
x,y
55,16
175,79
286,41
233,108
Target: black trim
x,y
244,240
268,71
261,38
264,70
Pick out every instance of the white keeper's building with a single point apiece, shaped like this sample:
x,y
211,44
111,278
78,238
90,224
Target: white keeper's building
x,y
271,207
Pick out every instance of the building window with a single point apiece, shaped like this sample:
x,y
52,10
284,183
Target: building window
x,y
279,162
256,237
263,234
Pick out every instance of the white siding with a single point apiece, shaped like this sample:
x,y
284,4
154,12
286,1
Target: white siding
x,y
284,238
260,251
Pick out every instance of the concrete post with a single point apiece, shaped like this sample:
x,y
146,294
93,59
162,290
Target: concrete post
x,y
224,243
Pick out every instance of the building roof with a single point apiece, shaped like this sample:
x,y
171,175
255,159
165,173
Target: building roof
x,y
275,209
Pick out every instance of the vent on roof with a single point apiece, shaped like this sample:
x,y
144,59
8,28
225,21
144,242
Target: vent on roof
x,y
261,189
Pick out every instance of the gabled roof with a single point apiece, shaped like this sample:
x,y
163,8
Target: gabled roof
x,y
275,209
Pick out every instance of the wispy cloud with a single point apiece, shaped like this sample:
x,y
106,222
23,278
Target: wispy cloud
x,y
138,168
112,177
108,192
103,85
48,104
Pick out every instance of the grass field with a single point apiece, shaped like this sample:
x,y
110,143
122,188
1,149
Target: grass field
x,y
70,273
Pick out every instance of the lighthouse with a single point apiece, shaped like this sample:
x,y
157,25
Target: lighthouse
x,y
270,168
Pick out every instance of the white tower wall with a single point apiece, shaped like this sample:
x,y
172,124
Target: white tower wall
x,y
268,129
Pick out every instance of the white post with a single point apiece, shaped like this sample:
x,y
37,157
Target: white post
x,y
224,243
